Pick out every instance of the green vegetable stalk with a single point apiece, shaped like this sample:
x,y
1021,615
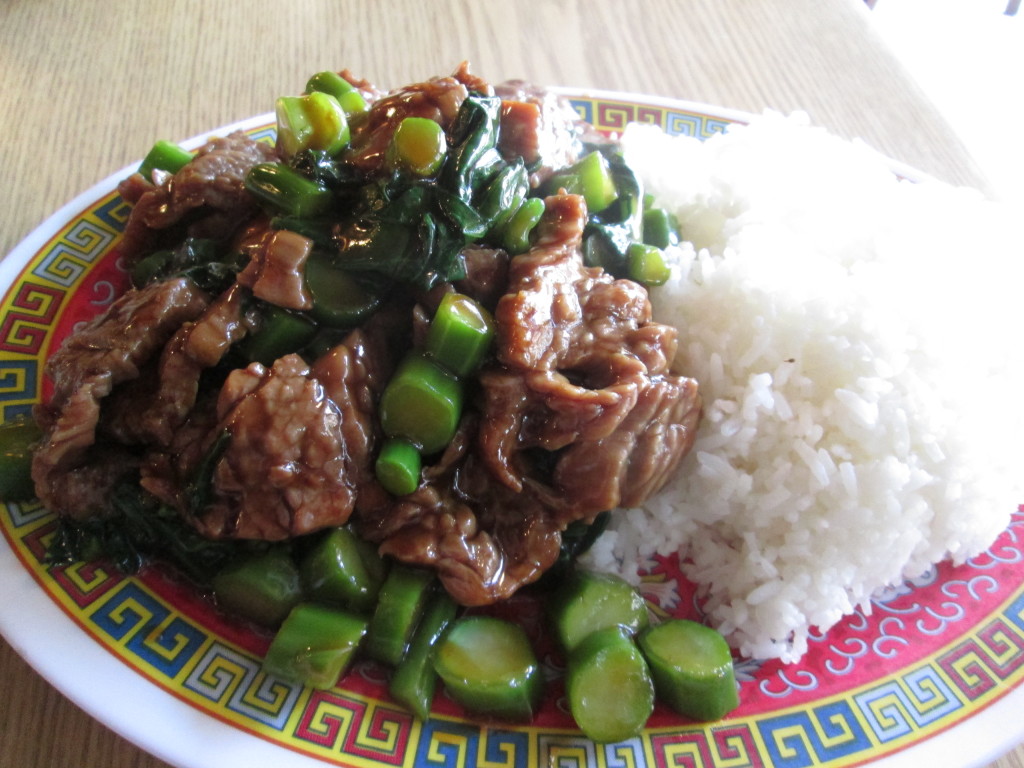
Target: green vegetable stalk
x,y
608,685
344,571
422,403
315,645
400,606
164,156
692,669
415,680
488,666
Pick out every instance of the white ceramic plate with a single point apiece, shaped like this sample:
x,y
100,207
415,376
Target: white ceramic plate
x,y
932,677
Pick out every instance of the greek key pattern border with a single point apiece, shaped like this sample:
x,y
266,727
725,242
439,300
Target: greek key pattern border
x,y
612,117
31,308
178,653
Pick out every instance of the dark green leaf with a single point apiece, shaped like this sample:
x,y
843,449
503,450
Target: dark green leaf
x,y
137,528
201,488
473,158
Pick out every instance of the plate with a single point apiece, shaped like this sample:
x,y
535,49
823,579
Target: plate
x,y
933,675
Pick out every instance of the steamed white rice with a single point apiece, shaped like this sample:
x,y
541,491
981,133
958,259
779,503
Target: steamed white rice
x,y
856,342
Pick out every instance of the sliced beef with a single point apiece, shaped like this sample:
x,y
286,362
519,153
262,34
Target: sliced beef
x,y
285,449
484,541
108,351
540,126
437,99
207,196
473,82
585,372
151,411
83,491
113,346
278,458
633,462
578,415
276,270
486,274
354,375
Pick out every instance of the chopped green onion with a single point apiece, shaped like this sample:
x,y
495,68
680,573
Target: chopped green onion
x,y
646,265
587,602
339,299
591,177
164,156
422,403
352,102
287,190
460,334
151,267
400,606
608,686
514,236
398,466
280,332
329,82
415,679
314,121
659,229
417,146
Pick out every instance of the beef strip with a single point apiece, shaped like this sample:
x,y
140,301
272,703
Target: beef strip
x,y
208,195
437,99
579,414
483,540
110,350
540,126
354,375
151,411
283,470
486,274
276,270
301,442
584,371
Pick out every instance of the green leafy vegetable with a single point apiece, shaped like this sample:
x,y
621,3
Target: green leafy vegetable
x,y
206,262
201,487
473,159
138,528
17,440
611,231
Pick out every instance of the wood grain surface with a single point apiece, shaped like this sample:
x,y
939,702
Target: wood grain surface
x,y
87,86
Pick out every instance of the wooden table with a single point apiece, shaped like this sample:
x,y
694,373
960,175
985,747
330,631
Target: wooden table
x,y
87,86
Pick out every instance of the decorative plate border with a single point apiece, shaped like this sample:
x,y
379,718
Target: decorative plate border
x,y
959,649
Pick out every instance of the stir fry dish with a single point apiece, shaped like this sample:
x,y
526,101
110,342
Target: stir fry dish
x,y
400,363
